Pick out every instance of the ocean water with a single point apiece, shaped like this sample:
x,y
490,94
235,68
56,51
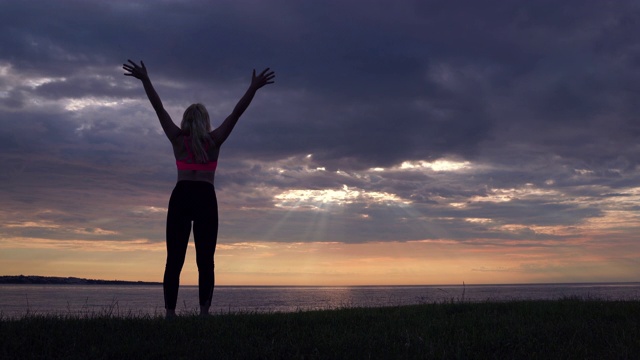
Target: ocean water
x,y
139,300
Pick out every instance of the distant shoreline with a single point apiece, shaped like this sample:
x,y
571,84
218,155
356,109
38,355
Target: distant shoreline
x,y
54,280
58,280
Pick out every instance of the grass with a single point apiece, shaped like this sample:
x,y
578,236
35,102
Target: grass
x,y
559,329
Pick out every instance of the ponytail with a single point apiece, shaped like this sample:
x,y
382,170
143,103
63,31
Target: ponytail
x,y
196,124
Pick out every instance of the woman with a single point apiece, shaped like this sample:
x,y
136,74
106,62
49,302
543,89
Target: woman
x,y
193,199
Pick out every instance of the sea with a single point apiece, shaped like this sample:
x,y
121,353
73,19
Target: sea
x,y
147,300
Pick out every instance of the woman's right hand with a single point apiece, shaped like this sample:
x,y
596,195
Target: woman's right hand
x,y
137,71
264,78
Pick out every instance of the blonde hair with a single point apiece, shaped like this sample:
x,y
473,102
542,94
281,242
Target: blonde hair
x,y
195,124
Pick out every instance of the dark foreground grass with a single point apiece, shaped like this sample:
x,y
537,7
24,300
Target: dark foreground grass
x,y
559,329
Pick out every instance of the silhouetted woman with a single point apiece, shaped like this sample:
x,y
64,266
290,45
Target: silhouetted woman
x,y
193,199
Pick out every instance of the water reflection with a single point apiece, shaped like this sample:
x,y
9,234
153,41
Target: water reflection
x,y
136,300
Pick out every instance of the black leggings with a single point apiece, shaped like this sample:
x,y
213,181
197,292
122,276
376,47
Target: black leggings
x,y
191,201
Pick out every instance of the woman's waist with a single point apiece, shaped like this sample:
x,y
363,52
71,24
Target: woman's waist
x,y
196,175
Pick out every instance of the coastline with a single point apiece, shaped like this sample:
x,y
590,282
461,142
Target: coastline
x,y
71,280
55,280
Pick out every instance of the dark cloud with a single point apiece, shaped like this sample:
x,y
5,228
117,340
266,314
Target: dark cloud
x,y
539,97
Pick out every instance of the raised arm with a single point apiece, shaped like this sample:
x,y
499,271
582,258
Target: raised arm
x,y
221,133
140,73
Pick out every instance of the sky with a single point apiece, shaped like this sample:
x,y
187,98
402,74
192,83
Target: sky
x,y
402,143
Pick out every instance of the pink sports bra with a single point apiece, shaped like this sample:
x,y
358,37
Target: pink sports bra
x,y
210,166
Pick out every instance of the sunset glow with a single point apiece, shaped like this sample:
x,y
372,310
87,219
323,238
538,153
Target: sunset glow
x,y
395,146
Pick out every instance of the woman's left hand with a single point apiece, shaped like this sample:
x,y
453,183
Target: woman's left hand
x,y
135,70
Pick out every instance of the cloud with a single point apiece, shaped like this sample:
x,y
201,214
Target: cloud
x,y
394,121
